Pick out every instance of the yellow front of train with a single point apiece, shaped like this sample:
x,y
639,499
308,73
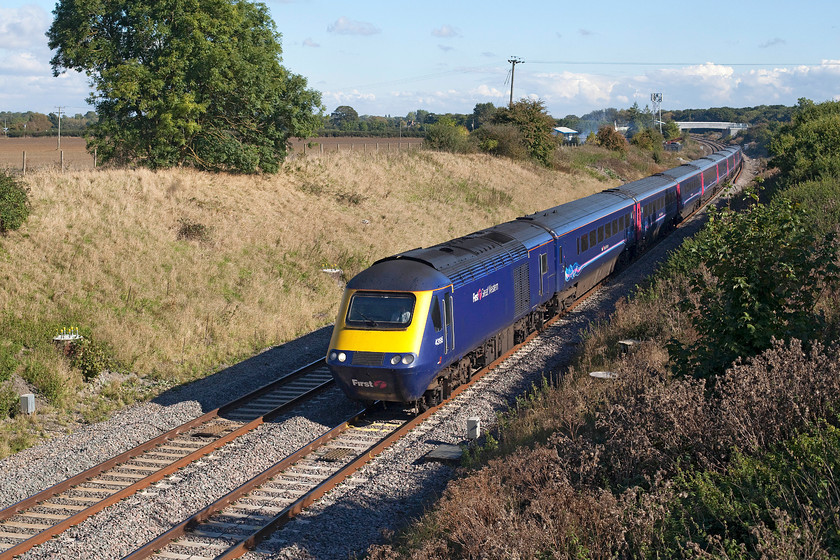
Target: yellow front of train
x,y
383,345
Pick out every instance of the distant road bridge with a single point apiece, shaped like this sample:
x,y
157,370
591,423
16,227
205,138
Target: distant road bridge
x,y
733,128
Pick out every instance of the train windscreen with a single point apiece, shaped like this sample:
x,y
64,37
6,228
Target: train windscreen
x,y
380,310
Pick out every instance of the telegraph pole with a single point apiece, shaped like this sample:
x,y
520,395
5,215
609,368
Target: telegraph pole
x,y
513,61
59,125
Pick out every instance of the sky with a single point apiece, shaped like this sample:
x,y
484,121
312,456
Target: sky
x,y
394,57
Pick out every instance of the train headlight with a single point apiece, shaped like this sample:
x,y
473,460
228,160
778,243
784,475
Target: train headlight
x,y
395,360
408,359
342,357
333,356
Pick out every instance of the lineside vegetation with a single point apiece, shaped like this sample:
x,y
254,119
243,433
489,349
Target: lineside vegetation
x,y
718,439
171,274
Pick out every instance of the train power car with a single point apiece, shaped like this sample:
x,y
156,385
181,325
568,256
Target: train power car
x,y
415,325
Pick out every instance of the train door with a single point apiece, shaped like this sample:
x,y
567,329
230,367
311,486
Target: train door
x,y
448,322
543,273
441,315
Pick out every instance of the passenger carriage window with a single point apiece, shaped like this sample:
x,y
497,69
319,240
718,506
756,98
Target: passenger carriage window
x,y
621,225
615,226
600,233
592,240
584,243
608,230
436,314
578,246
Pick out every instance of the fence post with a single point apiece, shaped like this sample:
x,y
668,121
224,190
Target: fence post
x,y
24,162
62,160
94,158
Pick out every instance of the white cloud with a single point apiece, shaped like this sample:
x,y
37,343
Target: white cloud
x,y
775,42
446,32
346,26
308,42
23,64
23,28
569,86
445,48
347,97
488,91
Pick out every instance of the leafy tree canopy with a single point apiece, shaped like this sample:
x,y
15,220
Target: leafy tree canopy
x,y
809,147
343,116
184,82
535,125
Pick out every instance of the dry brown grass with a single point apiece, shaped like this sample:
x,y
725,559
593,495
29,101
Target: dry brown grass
x,y
603,483
180,271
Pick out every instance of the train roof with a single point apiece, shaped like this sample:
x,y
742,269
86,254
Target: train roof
x,y
399,275
471,256
573,215
648,186
682,172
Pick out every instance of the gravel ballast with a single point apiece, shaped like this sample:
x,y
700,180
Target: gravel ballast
x,y
380,498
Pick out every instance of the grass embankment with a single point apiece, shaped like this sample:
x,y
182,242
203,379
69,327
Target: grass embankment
x,y
172,274
683,455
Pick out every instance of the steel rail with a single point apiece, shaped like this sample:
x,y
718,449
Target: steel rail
x,y
28,503
248,543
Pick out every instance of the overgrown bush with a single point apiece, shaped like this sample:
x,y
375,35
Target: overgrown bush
x,y
809,147
534,125
14,203
500,140
447,136
609,138
623,473
760,274
89,358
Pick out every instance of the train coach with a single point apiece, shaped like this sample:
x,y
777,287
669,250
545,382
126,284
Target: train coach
x,y
414,326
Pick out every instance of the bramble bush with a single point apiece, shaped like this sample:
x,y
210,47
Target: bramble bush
x,y
89,357
762,274
14,203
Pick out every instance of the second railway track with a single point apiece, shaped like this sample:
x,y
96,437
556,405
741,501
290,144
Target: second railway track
x,y
34,520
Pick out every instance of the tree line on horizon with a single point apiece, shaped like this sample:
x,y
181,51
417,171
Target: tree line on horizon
x,y
202,85
33,123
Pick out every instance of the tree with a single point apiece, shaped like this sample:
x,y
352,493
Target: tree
x,y
344,117
446,135
762,274
610,138
671,130
482,114
809,147
181,82
535,125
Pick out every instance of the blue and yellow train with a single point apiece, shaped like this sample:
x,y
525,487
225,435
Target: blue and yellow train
x,y
415,325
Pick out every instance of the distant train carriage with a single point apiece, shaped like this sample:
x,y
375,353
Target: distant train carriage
x,y
689,188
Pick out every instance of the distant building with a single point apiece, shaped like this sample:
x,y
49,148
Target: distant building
x,y
568,134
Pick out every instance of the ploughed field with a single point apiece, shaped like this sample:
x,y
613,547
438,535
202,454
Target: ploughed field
x,y
44,152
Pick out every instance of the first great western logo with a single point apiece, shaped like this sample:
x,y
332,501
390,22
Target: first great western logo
x,y
484,292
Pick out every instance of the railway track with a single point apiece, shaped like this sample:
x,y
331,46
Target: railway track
x,y
36,519
240,520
